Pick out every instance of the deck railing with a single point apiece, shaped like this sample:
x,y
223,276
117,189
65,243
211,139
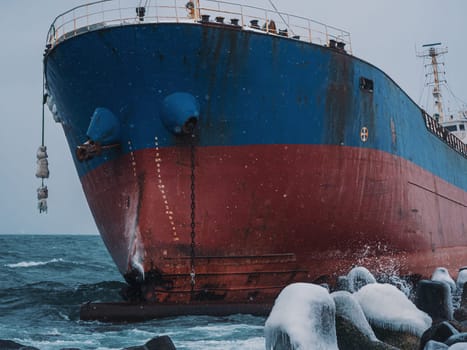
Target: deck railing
x,y
107,13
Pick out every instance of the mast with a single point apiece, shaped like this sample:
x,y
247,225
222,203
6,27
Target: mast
x,y
433,53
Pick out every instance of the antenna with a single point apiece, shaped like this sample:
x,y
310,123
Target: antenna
x,y
434,53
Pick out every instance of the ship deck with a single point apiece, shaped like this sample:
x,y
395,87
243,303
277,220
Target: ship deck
x,y
110,13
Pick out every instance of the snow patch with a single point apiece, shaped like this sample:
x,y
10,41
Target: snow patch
x,y
305,313
387,307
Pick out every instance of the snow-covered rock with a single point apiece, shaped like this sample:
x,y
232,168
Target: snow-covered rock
x,y
358,277
461,278
439,332
435,345
435,298
348,307
441,274
387,307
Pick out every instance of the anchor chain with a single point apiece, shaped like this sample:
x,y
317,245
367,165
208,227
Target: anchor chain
x,y
193,207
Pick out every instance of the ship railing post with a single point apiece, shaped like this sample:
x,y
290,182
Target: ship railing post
x,y
176,11
327,34
157,13
241,16
75,27
309,32
62,27
87,17
103,13
120,11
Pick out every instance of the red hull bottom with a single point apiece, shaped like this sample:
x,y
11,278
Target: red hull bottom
x,y
267,216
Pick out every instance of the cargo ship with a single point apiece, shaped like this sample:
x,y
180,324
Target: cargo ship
x,y
227,150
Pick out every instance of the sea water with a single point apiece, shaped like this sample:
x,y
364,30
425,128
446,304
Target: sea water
x,y
45,278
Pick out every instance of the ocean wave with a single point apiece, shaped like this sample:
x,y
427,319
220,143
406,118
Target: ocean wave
x,y
57,298
252,343
33,263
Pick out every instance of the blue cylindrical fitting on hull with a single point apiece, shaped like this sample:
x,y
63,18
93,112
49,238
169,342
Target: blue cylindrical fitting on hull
x,y
180,113
104,127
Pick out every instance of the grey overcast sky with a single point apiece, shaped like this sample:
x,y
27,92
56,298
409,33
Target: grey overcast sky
x,y
384,33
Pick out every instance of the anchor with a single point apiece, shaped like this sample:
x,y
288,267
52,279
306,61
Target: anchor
x,y
103,134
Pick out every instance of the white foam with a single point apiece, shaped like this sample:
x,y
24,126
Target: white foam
x,y
256,343
33,263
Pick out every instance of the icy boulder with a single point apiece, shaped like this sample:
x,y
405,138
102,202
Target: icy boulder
x,y
461,312
435,345
461,278
303,318
387,307
352,328
358,277
441,274
439,332
349,308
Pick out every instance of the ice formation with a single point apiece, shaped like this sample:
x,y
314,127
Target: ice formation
x,y
358,277
441,274
434,345
305,314
461,278
348,307
387,307
458,346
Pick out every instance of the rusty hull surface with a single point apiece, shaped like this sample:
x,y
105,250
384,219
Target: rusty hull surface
x,y
322,210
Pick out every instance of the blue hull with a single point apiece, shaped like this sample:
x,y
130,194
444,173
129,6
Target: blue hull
x,y
252,89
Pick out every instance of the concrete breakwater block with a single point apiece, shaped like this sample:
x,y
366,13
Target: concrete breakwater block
x,y
303,317
352,328
378,316
434,297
